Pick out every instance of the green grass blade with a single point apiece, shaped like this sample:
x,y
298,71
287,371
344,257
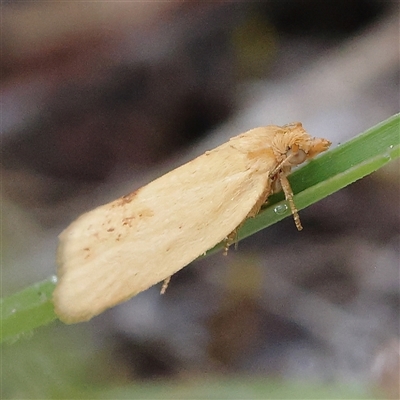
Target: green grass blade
x,y
26,310
334,170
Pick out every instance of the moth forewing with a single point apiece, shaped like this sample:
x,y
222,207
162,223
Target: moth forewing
x,y
122,248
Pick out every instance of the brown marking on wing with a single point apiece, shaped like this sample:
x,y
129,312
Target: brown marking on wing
x,y
144,213
87,253
127,221
122,201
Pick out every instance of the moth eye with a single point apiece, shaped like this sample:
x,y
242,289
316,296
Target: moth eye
x,y
296,157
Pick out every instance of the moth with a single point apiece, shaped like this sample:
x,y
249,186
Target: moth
x,y
119,249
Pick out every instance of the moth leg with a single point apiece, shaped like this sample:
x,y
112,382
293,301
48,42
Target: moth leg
x,y
289,197
230,239
165,285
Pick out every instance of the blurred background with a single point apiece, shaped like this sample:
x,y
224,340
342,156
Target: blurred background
x,y
99,98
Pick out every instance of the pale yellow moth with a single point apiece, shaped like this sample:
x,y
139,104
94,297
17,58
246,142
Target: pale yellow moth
x,y
117,250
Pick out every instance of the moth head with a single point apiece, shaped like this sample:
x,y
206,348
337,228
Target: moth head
x,y
296,155
294,145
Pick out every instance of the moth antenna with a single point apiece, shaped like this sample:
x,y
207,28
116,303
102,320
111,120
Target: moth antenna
x,y
165,285
279,167
289,197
